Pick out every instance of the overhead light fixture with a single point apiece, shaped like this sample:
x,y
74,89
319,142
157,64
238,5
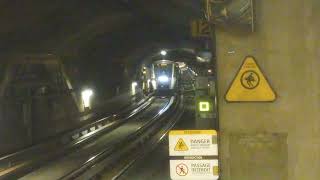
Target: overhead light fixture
x,y
133,88
163,52
86,98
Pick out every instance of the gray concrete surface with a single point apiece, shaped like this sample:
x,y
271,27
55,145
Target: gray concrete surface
x,y
286,46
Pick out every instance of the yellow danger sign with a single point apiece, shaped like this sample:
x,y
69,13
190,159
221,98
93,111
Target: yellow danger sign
x,y
250,85
181,146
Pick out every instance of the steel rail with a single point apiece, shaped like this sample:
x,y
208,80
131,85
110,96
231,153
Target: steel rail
x,y
99,160
154,141
16,164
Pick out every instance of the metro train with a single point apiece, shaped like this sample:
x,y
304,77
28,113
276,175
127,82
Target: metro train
x,y
165,77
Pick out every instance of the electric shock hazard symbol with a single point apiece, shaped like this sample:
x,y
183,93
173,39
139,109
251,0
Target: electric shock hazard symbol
x,y
181,146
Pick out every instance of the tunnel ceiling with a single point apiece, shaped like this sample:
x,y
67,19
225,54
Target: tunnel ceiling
x,y
76,27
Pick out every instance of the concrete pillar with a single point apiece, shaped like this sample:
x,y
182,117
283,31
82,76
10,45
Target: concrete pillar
x,y
278,140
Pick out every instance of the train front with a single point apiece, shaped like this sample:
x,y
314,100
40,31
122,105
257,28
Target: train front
x,y
164,77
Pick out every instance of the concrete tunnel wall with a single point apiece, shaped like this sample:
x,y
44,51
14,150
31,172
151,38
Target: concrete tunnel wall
x,y
277,140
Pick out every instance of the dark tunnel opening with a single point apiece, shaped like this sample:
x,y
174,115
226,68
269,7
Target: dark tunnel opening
x,y
74,70
66,48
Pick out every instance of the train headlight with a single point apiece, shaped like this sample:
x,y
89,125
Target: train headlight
x,y
163,79
163,52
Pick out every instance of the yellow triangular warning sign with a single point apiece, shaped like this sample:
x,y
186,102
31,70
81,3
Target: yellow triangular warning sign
x,y
250,85
181,146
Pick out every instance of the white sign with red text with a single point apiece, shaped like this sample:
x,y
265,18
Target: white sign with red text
x,y
194,169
